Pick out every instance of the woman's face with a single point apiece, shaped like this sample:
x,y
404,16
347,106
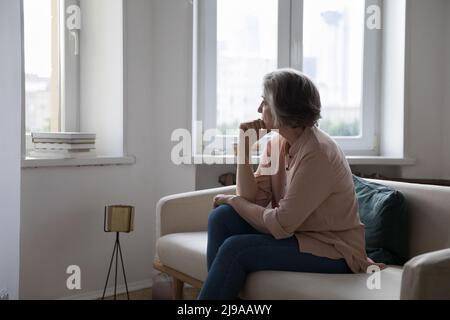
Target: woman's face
x,y
264,109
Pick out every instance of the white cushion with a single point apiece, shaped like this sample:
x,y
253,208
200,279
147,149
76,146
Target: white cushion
x,y
186,252
281,285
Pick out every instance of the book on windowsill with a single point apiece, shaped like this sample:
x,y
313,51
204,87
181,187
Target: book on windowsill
x,y
66,136
64,146
64,141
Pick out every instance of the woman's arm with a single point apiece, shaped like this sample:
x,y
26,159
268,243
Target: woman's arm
x,y
247,186
311,185
253,188
249,211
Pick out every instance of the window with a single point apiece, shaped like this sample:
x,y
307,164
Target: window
x,y
246,50
237,42
74,54
52,64
333,44
42,81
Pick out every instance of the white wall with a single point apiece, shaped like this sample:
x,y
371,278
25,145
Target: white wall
x,y
393,79
172,85
101,73
10,141
62,208
425,88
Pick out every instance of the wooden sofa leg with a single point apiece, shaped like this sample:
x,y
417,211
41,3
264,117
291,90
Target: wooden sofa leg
x,y
177,289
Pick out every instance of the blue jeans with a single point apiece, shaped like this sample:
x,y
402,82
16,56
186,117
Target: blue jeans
x,y
236,249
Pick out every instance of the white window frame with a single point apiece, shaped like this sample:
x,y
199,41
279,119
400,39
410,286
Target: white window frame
x,y
70,75
65,77
65,73
115,150
290,54
56,66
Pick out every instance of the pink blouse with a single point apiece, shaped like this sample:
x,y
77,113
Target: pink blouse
x,y
312,196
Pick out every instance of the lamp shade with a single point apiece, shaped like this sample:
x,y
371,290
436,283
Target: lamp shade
x,y
119,219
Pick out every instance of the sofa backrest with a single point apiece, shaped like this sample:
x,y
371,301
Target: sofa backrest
x,y
429,215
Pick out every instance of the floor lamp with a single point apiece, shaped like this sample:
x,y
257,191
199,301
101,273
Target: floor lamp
x,y
118,219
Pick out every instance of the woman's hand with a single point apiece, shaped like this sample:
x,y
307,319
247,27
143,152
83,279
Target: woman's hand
x,y
246,142
256,125
382,266
222,199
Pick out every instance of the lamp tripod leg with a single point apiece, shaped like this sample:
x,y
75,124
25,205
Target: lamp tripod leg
x,y
123,270
117,261
109,270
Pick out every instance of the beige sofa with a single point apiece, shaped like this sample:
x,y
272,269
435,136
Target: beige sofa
x,y
182,238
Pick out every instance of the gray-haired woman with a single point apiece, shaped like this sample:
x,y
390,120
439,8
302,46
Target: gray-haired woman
x,y
302,218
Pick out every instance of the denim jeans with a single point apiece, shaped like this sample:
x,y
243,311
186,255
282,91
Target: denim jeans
x,y
236,249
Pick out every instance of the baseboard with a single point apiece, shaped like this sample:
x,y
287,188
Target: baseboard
x,y
94,295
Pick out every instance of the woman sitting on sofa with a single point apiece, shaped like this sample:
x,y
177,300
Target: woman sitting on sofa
x,y
312,223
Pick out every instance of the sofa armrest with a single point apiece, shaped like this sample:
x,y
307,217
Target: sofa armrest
x,y
186,212
427,277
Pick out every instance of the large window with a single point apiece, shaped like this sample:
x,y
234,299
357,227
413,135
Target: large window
x,y
246,50
52,65
74,53
42,84
333,43
238,41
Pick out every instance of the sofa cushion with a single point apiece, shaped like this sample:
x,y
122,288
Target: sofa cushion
x,y
383,212
281,285
186,253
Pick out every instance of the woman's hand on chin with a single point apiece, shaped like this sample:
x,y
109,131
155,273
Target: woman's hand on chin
x,y
256,125
249,138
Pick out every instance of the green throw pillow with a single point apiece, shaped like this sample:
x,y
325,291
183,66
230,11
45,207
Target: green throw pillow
x,y
383,212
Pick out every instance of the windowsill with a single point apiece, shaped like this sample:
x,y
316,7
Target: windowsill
x,y
379,160
30,163
352,160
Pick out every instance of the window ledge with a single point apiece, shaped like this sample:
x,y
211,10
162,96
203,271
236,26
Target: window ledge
x,y
352,160
30,163
379,160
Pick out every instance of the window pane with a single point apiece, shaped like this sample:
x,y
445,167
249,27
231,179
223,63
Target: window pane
x,y
247,42
38,41
333,58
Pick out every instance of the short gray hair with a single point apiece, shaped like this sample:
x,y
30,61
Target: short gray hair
x,y
293,99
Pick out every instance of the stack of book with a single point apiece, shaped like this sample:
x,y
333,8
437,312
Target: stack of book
x,y
64,145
